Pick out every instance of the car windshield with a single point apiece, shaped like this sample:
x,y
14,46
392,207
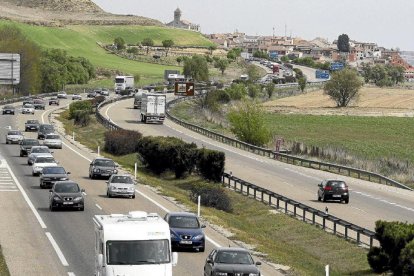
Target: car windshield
x,y
40,150
46,127
137,252
38,101
54,170
183,222
8,107
32,122
54,136
45,160
105,163
67,188
233,257
30,142
14,133
122,179
28,106
339,184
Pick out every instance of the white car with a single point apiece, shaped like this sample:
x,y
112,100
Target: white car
x,y
76,97
28,109
120,185
104,92
38,151
52,141
42,161
62,95
14,136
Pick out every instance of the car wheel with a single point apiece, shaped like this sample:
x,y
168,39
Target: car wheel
x,y
319,198
201,249
33,174
346,201
133,196
21,154
92,176
41,185
324,199
108,194
7,141
51,208
81,208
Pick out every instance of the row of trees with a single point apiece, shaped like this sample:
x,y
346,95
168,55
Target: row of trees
x,y
383,75
148,42
43,70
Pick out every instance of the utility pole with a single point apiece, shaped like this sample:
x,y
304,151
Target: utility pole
x,y
285,30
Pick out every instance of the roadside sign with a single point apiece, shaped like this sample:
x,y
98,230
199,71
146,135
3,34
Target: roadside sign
x,y
273,54
9,68
189,87
335,66
184,89
321,74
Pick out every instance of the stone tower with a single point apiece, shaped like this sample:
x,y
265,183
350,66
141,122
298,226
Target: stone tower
x,y
177,15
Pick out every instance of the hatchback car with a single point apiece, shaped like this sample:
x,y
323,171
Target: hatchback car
x,y
102,167
28,109
41,162
26,146
8,109
186,231
333,190
31,125
50,175
54,100
44,129
231,261
120,185
62,95
66,194
14,137
38,151
91,94
52,141
76,97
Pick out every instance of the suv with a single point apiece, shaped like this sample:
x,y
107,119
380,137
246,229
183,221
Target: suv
x,y
333,190
102,167
186,231
26,146
66,194
43,130
50,175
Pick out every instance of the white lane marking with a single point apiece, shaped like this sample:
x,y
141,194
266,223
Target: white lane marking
x,y
71,274
384,201
216,244
359,209
57,249
99,207
31,206
1,190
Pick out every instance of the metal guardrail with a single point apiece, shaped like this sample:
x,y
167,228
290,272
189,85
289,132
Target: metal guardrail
x,y
301,211
287,158
106,122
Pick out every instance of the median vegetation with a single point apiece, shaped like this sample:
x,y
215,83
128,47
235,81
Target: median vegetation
x,y
4,271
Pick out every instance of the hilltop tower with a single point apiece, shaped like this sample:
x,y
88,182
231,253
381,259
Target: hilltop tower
x,y
182,24
177,15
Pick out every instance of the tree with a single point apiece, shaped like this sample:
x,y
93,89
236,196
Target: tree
x,y
211,48
260,54
196,67
302,81
343,43
222,65
167,44
179,60
396,73
270,88
343,86
148,42
119,43
284,58
248,124
253,72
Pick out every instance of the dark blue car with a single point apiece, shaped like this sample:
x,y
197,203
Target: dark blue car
x,y
186,231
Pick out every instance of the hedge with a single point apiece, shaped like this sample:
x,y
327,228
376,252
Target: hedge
x,y
212,195
81,105
120,142
211,164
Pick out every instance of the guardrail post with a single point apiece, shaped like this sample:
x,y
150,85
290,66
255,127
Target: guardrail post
x,y
254,192
313,217
346,225
294,208
262,195
304,214
286,206
324,221
270,199
334,220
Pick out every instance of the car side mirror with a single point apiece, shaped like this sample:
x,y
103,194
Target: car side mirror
x,y
91,164
258,263
203,226
107,182
50,191
209,261
100,260
320,185
174,258
82,190
52,152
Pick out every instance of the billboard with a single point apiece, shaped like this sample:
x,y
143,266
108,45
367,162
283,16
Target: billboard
x,y
9,68
184,89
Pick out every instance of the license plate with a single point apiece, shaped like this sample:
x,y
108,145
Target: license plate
x,y
186,242
67,203
336,196
105,174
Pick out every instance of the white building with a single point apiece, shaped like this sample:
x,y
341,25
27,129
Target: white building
x,y
182,24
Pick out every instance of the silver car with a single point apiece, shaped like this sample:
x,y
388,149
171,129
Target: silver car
x,y
120,185
38,151
53,140
14,136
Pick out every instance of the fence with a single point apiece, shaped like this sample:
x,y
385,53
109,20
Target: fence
x,y
290,159
301,211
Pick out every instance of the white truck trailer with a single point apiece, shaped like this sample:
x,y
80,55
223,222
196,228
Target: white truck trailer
x,y
153,108
134,244
123,82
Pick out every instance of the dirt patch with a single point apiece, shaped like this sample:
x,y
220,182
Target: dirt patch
x,y
371,102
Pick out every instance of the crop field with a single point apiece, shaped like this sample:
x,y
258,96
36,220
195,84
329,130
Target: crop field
x,y
83,41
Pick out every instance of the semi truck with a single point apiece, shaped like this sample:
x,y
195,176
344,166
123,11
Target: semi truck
x,y
138,99
153,108
123,82
137,243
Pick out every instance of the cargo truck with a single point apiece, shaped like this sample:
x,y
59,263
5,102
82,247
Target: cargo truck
x,y
123,82
153,108
137,243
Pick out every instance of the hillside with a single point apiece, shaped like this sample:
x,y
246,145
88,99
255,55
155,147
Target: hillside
x,y
66,12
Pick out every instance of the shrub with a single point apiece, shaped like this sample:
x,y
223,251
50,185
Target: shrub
x,y
211,164
82,117
97,100
121,142
378,260
81,105
212,195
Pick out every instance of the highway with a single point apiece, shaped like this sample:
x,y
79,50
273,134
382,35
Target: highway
x,y
62,242
368,201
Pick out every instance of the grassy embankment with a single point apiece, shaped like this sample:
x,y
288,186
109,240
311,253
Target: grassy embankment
x,y
81,40
4,271
284,239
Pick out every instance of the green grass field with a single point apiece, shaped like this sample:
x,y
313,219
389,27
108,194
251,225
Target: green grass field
x,y
283,239
82,41
4,271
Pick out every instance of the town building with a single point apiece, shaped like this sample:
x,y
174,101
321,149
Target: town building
x,y
182,24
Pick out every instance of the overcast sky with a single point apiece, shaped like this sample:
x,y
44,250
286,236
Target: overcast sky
x,y
390,23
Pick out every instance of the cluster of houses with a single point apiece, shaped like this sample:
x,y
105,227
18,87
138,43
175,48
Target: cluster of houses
x,y
319,49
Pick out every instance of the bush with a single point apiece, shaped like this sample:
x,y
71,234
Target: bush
x,y
378,260
81,105
212,195
407,259
121,142
97,100
211,164
82,117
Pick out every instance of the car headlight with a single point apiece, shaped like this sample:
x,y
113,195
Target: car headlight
x,y
198,237
95,170
173,236
56,198
37,169
46,179
221,274
253,274
115,171
131,188
113,188
78,198
63,178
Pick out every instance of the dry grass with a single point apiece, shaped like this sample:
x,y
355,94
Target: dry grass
x,y
4,271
